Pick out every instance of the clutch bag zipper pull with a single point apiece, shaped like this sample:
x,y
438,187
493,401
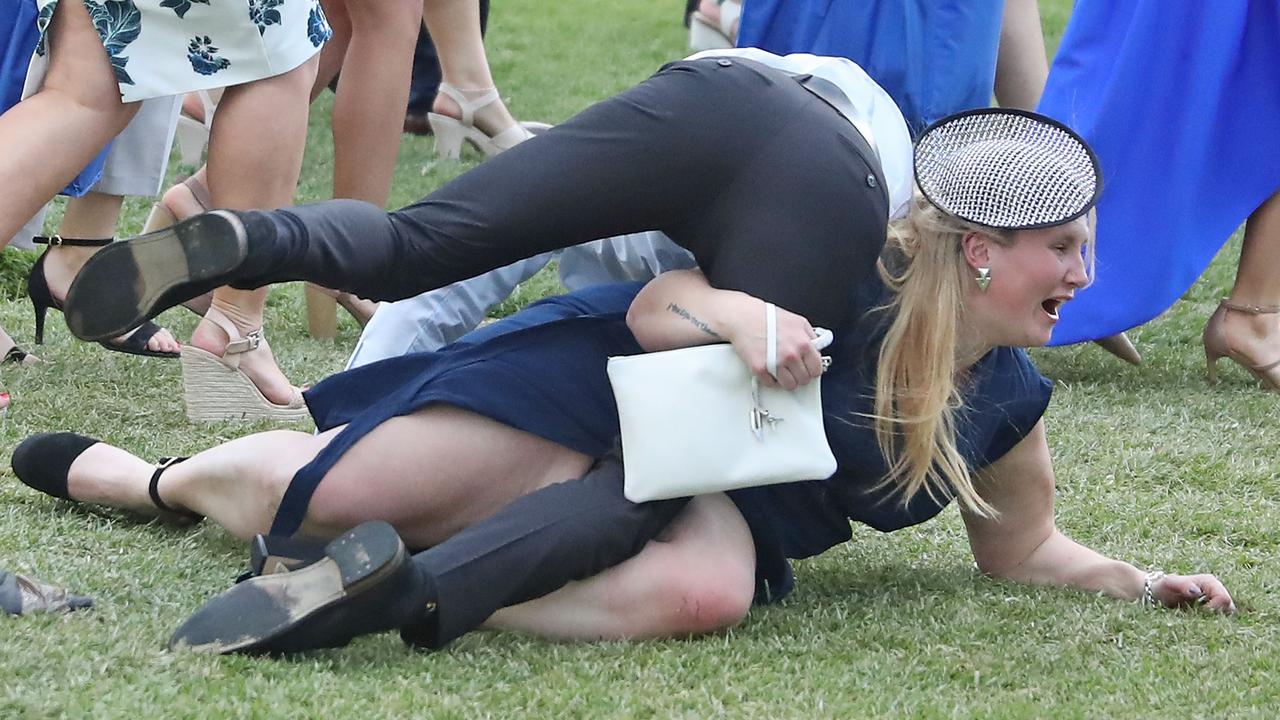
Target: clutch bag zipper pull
x,y
759,414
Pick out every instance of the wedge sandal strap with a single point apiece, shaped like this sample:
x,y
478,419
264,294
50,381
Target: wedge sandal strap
x,y
237,344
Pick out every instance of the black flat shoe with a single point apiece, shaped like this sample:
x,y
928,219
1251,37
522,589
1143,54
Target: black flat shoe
x,y
43,461
42,300
127,283
364,584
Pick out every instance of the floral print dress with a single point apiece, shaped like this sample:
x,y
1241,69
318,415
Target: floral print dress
x,y
166,47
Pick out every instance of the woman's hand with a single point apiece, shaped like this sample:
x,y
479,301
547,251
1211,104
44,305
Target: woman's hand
x,y
1184,590
680,309
799,362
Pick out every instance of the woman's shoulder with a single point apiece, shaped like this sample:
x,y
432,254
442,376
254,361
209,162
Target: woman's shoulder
x,y
1008,397
1011,371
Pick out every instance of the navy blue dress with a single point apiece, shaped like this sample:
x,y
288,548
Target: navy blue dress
x,y
543,371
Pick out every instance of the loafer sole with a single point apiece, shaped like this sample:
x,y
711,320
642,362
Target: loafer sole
x,y
250,615
126,283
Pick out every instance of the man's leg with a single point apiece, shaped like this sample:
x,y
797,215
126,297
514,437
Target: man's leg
x,y
533,546
696,577
638,256
657,156
652,157
436,318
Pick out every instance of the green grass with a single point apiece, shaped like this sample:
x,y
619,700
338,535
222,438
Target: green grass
x,y
1153,467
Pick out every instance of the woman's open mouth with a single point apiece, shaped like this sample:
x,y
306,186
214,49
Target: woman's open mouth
x,y
1051,306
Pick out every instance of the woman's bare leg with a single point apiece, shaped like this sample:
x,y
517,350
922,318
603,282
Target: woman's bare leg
x,y
92,216
372,46
335,49
429,474
439,470
373,91
697,577
455,29
1257,337
237,484
77,111
1021,66
250,169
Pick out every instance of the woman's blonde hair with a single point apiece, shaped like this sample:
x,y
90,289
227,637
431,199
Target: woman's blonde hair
x,y
917,393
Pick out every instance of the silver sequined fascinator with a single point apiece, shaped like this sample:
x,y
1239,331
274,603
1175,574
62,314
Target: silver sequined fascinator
x,y
1007,169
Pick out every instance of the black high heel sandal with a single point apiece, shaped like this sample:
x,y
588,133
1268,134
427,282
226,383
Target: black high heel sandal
x,y
42,299
42,462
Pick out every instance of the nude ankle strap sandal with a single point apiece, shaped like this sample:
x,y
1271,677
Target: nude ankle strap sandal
x,y
452,132
1217,346
216,389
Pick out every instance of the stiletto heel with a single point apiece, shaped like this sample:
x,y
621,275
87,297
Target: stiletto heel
x,y
40,312
1120,346
1211,365
42,299
1217,345
451,132
38,284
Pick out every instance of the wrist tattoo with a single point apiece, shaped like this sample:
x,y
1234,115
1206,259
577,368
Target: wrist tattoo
x,y
693,320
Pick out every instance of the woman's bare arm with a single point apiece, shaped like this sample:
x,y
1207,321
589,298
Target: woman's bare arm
x,y
1022,543
681,309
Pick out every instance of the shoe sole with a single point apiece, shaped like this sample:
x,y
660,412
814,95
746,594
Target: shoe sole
x,y
248,616
121,286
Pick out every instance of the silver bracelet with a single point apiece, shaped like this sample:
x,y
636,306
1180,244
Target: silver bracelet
x,y
1148,598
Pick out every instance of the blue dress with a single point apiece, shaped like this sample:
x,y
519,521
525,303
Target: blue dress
x,y
933,57
1181,102
543,371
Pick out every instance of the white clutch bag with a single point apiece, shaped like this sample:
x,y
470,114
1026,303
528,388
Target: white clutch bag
x,y
695,421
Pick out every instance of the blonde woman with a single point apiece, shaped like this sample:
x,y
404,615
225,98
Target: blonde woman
x,y
467,451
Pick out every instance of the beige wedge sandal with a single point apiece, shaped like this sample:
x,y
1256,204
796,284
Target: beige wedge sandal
x,y
216,389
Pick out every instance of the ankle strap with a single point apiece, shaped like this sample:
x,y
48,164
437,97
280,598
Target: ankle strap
x,y
467,105
1250,309
153,489
236,343
54,240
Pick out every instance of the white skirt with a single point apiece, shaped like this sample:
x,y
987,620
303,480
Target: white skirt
x,y
199,44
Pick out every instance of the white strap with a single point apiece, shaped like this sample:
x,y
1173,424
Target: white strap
x,y
771,339
469,106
